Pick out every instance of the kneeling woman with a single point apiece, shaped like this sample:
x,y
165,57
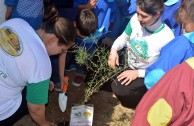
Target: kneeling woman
x,y
144,36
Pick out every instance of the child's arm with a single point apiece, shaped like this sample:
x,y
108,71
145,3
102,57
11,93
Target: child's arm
x,y
62,58
91,4
10,4
8,12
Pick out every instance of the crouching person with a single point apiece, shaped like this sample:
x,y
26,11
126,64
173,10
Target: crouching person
x,y
25,67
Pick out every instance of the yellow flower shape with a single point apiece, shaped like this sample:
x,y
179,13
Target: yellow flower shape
x,y
160,113
190,61
87,114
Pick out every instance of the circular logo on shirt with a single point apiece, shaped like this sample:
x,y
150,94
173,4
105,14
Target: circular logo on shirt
x,y
10,41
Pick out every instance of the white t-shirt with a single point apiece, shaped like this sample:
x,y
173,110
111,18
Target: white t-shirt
x,y
23,61
143,44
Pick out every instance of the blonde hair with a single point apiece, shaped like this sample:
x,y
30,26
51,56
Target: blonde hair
x,y
185,12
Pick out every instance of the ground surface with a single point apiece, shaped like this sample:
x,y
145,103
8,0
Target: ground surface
x,y
107,109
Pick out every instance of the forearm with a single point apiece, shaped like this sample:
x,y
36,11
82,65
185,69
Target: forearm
x,y
81,7
62,58
121,41
8,12
37,113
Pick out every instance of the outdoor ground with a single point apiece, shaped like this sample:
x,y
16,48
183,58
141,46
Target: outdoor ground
x,y
107,109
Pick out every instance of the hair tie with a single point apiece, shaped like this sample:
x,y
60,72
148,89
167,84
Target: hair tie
x,y
56,19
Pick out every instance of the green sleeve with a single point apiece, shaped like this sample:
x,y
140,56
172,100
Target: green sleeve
x,y
128,29
37,93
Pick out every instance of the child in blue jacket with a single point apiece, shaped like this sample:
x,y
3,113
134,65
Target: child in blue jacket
x,y
29,10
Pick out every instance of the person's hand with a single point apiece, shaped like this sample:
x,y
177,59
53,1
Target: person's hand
x,y
51,86
64,80
92,4
113,59
128,76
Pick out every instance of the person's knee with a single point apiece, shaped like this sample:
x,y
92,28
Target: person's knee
x,y
131,99
128,95
120,89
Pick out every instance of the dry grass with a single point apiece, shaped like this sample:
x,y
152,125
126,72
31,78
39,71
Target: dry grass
x,y
107,109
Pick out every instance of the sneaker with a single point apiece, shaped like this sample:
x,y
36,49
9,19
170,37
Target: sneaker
x,y
71,68
57,87
78,79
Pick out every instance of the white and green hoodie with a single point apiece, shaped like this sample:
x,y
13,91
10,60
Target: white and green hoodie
x,y
143,43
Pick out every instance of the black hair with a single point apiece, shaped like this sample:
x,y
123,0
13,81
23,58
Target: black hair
x,y
151,6
86,22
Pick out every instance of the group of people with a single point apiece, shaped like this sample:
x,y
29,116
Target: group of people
x,y
170,79
161,66
34,31
25,64
159,74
